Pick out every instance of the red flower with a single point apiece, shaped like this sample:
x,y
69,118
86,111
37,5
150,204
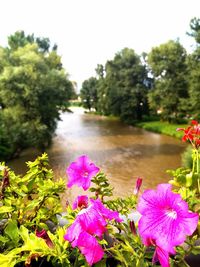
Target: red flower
x,y
192,133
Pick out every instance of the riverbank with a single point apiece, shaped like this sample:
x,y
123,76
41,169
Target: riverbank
x,y
152,126
162,128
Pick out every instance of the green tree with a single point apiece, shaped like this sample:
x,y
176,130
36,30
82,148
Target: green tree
x,y
33,87
88,93
126,93
195,29
170,92
194,69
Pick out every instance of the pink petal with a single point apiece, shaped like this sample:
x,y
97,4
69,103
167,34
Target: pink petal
x,y
90,248
105,212
162,256
92,221
73,232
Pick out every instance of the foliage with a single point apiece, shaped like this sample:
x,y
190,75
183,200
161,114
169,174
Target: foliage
x,y
186,158
168,65
88,93
33,87
120,88
194,87
164,81
195,29
32,235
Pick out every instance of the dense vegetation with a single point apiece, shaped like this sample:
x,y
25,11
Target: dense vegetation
x,y
33,88
135,88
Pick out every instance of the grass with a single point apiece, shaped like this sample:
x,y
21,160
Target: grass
x,y
163,128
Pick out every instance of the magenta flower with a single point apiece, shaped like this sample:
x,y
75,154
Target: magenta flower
x,y
90,222
81,172
80,202
165,218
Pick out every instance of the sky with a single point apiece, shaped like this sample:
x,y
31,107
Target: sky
x,y
90,32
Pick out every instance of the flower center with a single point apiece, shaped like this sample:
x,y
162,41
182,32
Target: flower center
x,y
85,174
171,213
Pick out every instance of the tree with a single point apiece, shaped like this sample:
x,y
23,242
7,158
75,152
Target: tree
x,y
88,93
126,93
195,29
33,87
194,69
168,66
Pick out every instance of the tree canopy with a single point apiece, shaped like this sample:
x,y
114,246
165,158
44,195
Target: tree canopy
x,y
168,66
33,87
164,81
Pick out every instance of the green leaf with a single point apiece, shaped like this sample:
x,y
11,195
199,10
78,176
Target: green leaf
x,y
5,209
12,231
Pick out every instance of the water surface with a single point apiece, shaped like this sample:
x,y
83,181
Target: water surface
x,y
122,152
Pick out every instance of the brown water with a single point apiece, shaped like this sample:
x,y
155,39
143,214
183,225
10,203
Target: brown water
x,y
123,152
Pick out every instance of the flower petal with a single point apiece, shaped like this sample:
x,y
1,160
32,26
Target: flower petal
x,y
90,248
92,221
105,212
73,232
162,256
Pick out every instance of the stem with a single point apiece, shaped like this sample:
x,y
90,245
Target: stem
x,y
76,260
197,153
197,158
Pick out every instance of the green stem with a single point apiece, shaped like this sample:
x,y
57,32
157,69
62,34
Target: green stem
x,y
197,154
76,260
197,158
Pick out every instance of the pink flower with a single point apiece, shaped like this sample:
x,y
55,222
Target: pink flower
x,y
81,172
165,218
80,202
137,186
90,222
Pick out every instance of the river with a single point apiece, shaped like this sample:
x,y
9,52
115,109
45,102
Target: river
x,y
123,152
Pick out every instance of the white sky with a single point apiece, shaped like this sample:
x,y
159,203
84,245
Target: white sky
x,y
90,32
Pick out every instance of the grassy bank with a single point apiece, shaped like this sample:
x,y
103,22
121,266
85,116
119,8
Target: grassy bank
x,y
163,128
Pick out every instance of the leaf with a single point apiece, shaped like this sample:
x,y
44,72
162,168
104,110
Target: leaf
x,y
12,231
6,261
196,250
5,209
101,263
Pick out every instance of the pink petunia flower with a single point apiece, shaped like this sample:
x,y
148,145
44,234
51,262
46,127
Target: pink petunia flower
x,y
81,172
80,202
165,218
90,222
